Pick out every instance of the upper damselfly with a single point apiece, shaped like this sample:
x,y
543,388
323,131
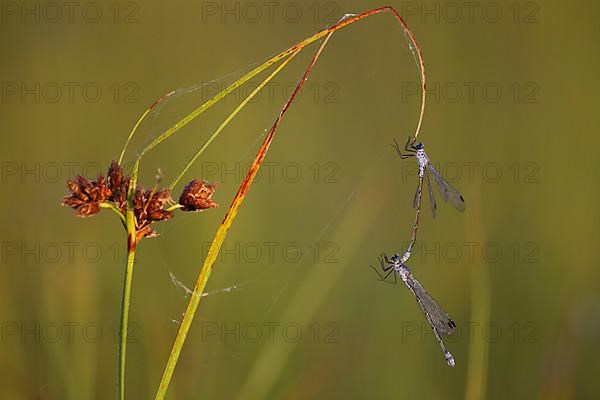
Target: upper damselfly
x,y
448,192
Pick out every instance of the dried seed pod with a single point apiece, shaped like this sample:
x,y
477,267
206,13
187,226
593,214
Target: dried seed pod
x,y
86,196
196,196
148,207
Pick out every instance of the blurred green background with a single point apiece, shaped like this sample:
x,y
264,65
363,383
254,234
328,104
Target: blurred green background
x,y
510,122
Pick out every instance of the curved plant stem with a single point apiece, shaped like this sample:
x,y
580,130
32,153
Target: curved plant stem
x,y
231,116
212,252
215,246
125,301
347,20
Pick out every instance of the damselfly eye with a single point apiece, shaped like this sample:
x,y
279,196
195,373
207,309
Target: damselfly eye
x,y
395,258
419,146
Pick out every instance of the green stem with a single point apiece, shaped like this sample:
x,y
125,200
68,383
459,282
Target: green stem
x,y
139,121
213,251
231,116
125,301
112,207
174,207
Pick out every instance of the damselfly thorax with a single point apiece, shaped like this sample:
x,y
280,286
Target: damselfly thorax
x,y
422,159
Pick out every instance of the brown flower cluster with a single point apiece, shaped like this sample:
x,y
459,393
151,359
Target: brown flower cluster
x,y
86,196
149,205
118,185
197,195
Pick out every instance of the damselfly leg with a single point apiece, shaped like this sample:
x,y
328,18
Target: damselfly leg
x,y
386,267
409,147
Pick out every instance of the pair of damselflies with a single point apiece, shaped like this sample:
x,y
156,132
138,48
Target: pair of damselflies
x,y
441,323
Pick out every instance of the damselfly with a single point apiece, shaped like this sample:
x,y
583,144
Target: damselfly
x,y
448,192
441,323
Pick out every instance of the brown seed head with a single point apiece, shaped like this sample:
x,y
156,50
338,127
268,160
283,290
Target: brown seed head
x,y
149,207
86,196
196,196
118,184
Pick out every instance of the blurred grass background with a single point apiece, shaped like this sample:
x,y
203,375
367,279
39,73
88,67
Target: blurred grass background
x,y
333,197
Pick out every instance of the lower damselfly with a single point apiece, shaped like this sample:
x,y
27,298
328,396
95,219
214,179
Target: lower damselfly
x,y
441,323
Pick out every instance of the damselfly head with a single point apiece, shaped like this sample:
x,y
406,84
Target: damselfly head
x,y
395,259
419,146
